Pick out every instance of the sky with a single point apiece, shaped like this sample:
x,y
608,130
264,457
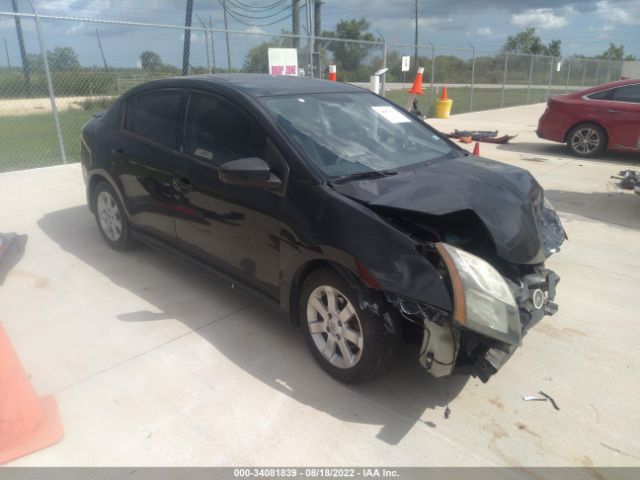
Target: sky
x,y
585,27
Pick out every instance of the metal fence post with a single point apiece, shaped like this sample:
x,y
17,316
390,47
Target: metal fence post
x,y
473,74
52,98
597,71
384,65
206,42
433,75
504,78
608,68
566,90
533,58
584,71
553,59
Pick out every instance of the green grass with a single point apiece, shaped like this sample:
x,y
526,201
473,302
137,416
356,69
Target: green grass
x,y
30,141
483,98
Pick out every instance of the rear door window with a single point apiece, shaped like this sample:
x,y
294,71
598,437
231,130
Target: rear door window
x,y
603,95
219,131
629,93
155,117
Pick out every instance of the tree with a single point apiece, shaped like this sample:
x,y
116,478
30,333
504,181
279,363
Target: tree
x,y
528,41
553,49
63,58
615,52
150,60
349,55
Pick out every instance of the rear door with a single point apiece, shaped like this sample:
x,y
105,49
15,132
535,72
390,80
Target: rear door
x,y
620,110
144,159
235,228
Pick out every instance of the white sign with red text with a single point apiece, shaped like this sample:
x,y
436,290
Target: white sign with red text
x,y
283,61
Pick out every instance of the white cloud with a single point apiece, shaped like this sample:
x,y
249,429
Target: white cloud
x,y
627,16
542,18
484,32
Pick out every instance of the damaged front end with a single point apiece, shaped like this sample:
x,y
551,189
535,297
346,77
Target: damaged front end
x,y
491,314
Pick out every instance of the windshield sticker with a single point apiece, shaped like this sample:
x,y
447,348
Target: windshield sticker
x,y
390,114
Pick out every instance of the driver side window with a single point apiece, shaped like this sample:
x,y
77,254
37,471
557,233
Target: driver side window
x,y
218,131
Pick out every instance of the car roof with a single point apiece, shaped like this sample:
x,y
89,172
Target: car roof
x,y
607,86
258,85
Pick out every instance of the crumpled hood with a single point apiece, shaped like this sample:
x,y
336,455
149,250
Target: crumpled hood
x,y
507,199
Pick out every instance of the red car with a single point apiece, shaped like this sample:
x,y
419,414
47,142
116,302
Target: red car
x,y
593,120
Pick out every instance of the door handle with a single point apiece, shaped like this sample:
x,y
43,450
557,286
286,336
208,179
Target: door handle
x,y
611,110
117,152
182,185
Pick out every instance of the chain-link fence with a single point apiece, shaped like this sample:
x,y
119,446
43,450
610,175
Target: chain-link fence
x,y
60,71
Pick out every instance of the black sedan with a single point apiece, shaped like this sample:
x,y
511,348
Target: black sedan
x,y
356,219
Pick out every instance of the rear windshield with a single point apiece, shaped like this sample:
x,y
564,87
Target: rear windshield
x,y
346,133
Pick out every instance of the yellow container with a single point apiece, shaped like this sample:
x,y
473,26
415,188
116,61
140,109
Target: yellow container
x,y
443,108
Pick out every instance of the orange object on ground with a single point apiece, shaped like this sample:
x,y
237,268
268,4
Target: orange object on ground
x,y
332,73
27,422
476,149
444,93
416,89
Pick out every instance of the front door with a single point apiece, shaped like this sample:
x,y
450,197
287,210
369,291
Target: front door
x,y
235,228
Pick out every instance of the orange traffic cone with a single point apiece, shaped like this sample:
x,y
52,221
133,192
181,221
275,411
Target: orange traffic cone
x,y
416,89
476,149
444,93
27,422
332,73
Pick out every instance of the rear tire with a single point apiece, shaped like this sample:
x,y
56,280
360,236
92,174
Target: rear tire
x,y
350,343
110,217
587,140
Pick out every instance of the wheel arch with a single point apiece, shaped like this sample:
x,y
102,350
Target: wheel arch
x,y
594,122
307,269
95,178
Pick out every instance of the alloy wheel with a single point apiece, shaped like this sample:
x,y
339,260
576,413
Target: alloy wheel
x,y
335,327
109,216
585,140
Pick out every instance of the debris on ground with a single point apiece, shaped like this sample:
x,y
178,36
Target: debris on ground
x,y
447,412
11,251
488,136
629,180
541,397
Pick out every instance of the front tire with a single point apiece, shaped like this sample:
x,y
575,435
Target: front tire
x,y
110,217
351,344
587,140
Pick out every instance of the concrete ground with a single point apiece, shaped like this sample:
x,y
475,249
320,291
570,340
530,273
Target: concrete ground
x,y
157,363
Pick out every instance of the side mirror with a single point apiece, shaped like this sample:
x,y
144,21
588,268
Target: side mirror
x,y
248,172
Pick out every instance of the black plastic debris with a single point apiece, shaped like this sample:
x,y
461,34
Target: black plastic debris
x,y
629,180
11,250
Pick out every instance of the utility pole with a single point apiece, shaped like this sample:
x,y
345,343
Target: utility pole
x,y
23,51
295,22
104,60
206,41
317,29
416,38
186,51
6,49
226,34
310,41
213,50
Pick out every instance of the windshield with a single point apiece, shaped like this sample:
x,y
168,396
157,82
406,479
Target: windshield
x,y
353,133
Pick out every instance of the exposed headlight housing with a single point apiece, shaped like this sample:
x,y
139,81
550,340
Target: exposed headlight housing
x,y
482,300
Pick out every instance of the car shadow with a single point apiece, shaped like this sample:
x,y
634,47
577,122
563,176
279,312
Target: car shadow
x,y
561,150
278,357
615,208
